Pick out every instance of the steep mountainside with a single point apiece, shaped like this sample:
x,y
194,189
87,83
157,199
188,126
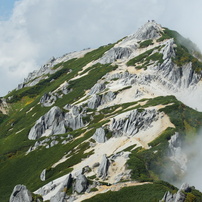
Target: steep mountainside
x,y
105,124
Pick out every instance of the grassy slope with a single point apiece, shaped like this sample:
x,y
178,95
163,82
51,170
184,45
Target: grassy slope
x,y
14,167
143,193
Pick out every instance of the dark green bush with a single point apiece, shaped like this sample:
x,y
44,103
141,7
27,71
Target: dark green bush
x,y
146,43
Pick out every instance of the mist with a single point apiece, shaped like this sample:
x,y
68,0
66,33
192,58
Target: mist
x,y
185,160
194,164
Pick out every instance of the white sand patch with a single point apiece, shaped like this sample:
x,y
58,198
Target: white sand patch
x,y
90,64
30,110
117,168
20,131
83,69
63,159
60,87
79,76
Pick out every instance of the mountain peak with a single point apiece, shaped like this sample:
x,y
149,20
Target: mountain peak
x,y
149,30
104,116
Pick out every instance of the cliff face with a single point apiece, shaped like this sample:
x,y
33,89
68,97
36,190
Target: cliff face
x,y
104,116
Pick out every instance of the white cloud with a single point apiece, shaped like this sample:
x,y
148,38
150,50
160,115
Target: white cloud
x,y
38,30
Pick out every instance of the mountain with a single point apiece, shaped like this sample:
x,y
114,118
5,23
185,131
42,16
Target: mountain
x,y
111,123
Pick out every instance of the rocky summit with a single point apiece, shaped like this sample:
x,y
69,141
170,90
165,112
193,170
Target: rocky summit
x,y
107,124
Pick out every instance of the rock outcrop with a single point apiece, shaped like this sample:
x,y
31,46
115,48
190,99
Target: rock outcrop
x,y
168,49
103,168
133,122
20,194
4,108
47,69
124,49
48,99
61,194
115,54
150,30
43,175
81,184
97,88
177,197
168,197
107,97
99,135
176,78
73,121
94,102
97,100
55,121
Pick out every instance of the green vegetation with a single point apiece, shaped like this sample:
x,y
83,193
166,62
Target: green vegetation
x,y
184,57
139,58
137,165
184,50
144,193
3,117
61,75
79,86
142,60
27,168
163,37
156,57
146,43
26,110
146,165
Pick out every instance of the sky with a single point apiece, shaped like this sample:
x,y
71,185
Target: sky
x,y
33,31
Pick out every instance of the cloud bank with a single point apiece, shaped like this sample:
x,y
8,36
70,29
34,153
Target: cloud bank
x,y
38,30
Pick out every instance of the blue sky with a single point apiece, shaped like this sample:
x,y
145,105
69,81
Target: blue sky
x,y
33,31
6,7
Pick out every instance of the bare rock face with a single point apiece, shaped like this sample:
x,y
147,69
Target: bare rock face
x,y
179,196
97,88
81,184
133,122
168,50
52,122
61,194
43,175
55,121
108,97
98,100
125,48
168,197
74,122
103,168
99,135
150,30
20,194
176,78
115,54
94,102
48,99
